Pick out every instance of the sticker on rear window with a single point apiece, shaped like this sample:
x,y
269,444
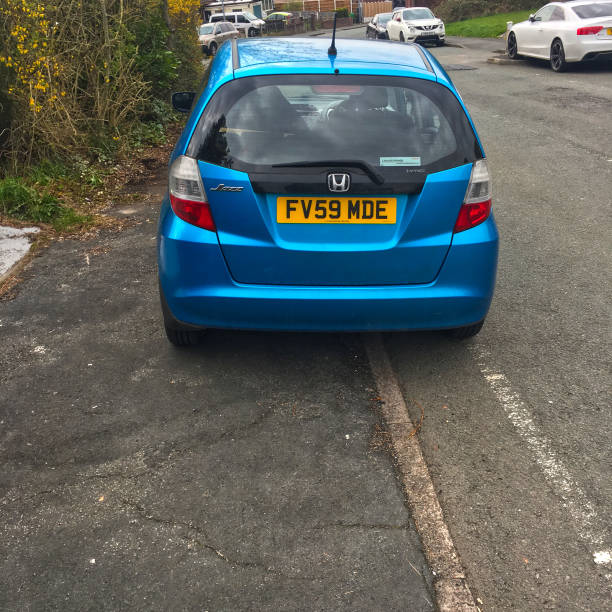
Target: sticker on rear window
x,y
400,161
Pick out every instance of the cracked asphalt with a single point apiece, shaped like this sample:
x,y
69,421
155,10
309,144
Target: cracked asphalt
x,y
245,474
252,472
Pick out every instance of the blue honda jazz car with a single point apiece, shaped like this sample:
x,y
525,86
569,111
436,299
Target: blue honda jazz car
x,y
319,191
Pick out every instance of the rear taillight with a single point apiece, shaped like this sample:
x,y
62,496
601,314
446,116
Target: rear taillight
x,y
187,195
477,204
589,30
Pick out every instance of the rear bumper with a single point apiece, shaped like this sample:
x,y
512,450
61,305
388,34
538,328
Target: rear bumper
x,y
199,290
590,49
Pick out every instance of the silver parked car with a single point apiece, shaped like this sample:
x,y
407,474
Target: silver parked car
x,y
213,35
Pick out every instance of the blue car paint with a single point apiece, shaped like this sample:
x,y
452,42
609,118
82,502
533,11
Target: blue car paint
x,y
200,289
410,251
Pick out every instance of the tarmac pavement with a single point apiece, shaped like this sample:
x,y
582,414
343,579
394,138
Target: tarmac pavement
x,y
245,474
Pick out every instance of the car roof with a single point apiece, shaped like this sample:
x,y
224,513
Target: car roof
x,y
280,55
406,8
268,56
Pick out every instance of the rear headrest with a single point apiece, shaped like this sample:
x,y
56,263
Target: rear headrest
x,y
374,97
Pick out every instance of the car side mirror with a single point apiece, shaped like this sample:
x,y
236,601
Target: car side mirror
x,y
532,17
182,101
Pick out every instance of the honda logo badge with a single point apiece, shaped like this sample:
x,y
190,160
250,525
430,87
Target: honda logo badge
x,y
339,182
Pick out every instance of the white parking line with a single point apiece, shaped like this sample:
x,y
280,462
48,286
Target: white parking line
x,y
580,508
452,592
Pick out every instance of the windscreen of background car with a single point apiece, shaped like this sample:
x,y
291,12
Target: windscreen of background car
x,y
590,11
418,13
397,125
206,29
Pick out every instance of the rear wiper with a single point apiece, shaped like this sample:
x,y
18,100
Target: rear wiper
x,y
354,163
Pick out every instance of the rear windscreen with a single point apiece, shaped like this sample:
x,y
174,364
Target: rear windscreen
x,y
390,123
589,11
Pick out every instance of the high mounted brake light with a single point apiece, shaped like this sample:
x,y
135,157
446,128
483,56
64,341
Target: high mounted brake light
x,y
477,204
187,195
589,30
330,89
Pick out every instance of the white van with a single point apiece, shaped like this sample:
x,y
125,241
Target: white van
x,y
246,23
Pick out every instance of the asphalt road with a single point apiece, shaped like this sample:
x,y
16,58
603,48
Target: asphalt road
x,y
251,473
518,426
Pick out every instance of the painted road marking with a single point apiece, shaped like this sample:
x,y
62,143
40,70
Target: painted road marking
x,y
581,509
452,591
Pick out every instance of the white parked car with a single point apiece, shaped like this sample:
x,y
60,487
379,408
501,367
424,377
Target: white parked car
x,y
417,24
244,21
574,31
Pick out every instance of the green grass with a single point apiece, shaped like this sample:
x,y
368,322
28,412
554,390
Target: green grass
x,y
25,203
486,27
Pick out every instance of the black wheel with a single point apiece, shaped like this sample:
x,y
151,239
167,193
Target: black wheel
x,y
252,32
440,43
212,50
178,333
557,56
512,46
461,333
183,337
402,39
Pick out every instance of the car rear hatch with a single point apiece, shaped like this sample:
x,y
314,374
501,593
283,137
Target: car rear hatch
x,y
325,180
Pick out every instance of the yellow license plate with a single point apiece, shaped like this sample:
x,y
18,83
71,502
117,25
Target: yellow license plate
x,y
336,210
609,31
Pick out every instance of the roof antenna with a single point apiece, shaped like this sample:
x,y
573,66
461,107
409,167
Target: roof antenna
x,y
332,50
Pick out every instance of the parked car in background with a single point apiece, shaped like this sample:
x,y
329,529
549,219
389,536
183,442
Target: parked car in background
x,y
279,20
566,32
244,21
213,35
318,193
417,24
279,16
377,26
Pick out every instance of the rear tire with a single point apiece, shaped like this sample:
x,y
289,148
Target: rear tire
x,y
402,39
212,50
557,56
177,333
440,43
461,333
512,46
252,32
183,337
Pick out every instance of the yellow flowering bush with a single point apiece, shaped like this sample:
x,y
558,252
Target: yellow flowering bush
x,y
72,72
186,8
26,52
